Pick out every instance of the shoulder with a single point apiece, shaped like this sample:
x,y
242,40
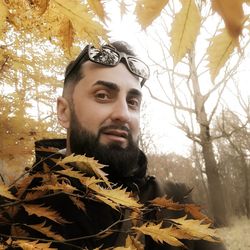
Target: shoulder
x,y
152,188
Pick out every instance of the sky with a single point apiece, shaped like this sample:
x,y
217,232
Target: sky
x,y
168,138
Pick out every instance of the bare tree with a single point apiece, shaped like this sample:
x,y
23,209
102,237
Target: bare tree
x,y
195,99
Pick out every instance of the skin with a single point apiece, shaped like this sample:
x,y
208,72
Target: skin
x,y
104,96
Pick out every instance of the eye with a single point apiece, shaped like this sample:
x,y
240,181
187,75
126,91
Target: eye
x,y
134,103
102,95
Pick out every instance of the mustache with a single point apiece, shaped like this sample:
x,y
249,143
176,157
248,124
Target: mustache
x,y
109,127
106,129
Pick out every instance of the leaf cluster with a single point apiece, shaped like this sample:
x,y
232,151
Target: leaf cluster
x,y
24,197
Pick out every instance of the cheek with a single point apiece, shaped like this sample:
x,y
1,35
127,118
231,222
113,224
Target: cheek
x,y
135,125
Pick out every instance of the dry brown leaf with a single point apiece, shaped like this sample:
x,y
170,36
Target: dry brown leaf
x,y
66,32
196,213
40,5
33,245
147,11
119,196
232,13
46,212
46,230
65,187
158,234
196,229
86,164
78,203
167,203
97,7
133,244
4,14
4,191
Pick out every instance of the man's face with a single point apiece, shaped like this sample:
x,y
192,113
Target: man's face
x,y
106,103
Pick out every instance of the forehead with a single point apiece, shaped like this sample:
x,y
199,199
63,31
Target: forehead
x,y
118,75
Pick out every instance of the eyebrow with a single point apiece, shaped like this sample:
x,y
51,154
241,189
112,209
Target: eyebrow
x,y
115,87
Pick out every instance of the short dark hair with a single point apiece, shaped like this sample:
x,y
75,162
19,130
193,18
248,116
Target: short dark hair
x,y
76,74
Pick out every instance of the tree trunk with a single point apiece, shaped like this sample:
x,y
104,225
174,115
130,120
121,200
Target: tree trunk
x,y
246,186
216,196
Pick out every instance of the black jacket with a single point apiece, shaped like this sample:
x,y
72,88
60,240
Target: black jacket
x,y
81,227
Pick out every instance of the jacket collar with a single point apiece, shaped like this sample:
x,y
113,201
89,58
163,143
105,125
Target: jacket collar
x,y
44,148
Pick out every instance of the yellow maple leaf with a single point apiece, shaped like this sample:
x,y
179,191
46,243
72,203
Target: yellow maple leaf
x,y
4,191
148,10
46,231
185,29
232,13
41,211
222,46
159,234
196,229
98,8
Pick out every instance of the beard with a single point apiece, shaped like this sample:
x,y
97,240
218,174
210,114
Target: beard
x,y
121,162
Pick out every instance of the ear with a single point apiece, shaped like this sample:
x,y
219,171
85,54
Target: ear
x,y
63,112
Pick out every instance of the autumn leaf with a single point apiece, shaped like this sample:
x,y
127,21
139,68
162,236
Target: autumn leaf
x,y
148,10
86,164
46,212
123,8
119,196
65,187
107,201
46,230
97,7
133,244
66,32
4,191
232,13
40,5
159,234
83,22
222,46
29,245
185,29
47,149
4,14
196,229
78,203
73,174
196,213
167,203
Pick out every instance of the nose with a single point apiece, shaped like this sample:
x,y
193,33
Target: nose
x,y
121,112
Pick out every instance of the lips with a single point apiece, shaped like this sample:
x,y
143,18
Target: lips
x,y
116,133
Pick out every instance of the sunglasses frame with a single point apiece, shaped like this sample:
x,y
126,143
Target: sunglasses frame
x,y
121,55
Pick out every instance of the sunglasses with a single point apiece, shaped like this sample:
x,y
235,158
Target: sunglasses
x,y
109,56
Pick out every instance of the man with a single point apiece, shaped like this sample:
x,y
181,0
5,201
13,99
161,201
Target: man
x,y
100,109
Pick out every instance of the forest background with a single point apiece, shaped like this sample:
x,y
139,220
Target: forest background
x,y
197,52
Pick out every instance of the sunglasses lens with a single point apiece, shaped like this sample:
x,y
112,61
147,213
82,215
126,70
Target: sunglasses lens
x,y
138,67
105,56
